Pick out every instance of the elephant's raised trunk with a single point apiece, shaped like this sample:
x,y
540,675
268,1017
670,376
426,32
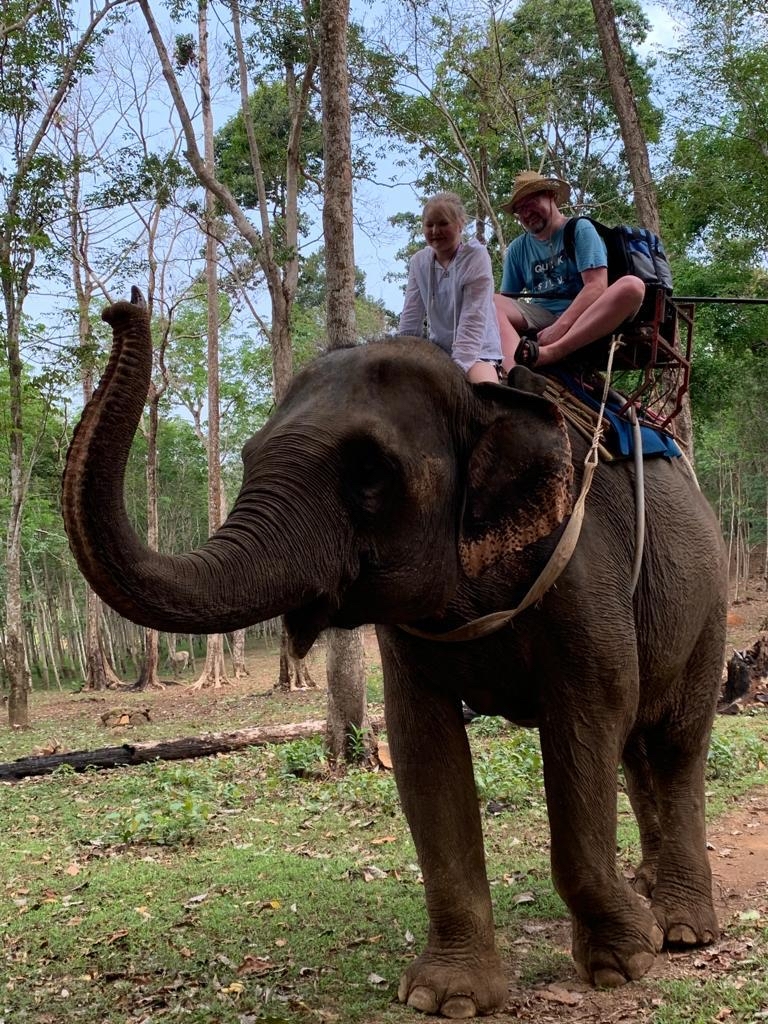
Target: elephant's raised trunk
x,y
243,574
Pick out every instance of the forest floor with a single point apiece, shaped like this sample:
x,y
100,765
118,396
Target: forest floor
x,y
738,839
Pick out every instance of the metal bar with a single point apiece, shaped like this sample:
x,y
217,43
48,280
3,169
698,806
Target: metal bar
x,y
694,299
741,301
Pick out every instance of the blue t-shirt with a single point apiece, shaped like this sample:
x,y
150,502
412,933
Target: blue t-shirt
x,y
543,267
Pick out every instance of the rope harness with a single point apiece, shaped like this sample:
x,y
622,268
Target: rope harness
x,y
565,547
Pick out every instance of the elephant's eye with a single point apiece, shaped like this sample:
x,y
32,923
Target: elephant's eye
x,y
369,476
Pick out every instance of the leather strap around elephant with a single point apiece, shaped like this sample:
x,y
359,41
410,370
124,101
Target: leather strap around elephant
x,y
558,560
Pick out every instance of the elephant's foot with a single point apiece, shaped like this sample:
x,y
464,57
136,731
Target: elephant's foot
x,y
617,952
454,986
687,922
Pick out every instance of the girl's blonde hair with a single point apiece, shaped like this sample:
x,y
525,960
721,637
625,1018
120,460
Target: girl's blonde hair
x,y
450,202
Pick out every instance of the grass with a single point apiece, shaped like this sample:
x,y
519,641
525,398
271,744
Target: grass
x,y
246,888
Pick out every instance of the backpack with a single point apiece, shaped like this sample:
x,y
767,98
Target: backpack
x,y
630,251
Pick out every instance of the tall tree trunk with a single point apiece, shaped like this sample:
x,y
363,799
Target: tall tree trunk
x,y
98,672
632,133
15,667
149,678
214,674
347,708
348,731
636,149
294,673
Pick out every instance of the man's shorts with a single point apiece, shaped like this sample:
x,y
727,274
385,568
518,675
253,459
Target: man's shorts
x,y
535,315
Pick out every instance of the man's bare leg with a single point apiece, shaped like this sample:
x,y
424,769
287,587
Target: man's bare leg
x,y
511,324
618,302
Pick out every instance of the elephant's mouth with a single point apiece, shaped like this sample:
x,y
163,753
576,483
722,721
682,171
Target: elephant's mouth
x,y
303,625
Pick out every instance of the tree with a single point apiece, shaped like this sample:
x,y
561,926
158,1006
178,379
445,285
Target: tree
x,y
479,89
632,133
41,59
273,246
347,708
213,673
636,153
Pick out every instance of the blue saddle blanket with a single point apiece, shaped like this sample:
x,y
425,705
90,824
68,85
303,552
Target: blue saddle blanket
x,y
655,441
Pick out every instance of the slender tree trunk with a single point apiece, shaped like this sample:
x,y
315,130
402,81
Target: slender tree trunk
x,y
347,708
239,667
636,150
15,667
97,673
348,731
632,133
214,674
47,646
44,659
149,678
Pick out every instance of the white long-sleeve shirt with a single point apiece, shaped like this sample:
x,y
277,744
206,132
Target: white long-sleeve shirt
x,y
456,302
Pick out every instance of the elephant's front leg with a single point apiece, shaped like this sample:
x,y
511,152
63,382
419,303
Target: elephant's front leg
x,y
459,974
615,935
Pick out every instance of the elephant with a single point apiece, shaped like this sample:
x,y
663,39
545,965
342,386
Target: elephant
x,y
387,489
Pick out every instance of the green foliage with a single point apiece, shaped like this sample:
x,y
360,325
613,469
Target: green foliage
x,y
375,683
374,792
151,177
732,758
183,803
271,114
356,748
302,758
508,768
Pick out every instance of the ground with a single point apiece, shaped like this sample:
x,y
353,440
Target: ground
x,y
739,858
738,841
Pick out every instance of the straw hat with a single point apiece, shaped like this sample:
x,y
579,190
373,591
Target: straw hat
x,y
530,183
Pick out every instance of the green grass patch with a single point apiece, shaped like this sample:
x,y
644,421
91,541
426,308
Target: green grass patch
x,y
260,886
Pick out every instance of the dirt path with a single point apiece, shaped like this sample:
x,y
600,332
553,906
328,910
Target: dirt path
x,y
739,858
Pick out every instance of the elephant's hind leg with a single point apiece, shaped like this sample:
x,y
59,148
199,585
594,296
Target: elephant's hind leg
x,y
615,935
681,896
676,749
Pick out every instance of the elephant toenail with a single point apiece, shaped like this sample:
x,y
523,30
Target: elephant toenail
x,y
424,999
640,964
657,937
606,977
682,935
459,1008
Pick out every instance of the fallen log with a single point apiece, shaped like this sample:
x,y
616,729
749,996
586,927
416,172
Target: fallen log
x,y
166,750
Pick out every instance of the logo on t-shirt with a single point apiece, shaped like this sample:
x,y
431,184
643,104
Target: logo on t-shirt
x,y
550,275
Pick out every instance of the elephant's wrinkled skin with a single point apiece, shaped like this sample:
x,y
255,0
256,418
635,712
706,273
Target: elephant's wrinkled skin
x,y
387,489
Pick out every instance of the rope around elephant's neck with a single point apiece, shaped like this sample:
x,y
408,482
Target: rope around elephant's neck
x,y
559,558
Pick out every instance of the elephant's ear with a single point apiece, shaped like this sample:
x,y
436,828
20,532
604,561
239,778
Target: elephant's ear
x,y
519,483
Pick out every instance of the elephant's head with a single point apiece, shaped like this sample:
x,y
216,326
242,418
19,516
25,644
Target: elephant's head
x,y
383,484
